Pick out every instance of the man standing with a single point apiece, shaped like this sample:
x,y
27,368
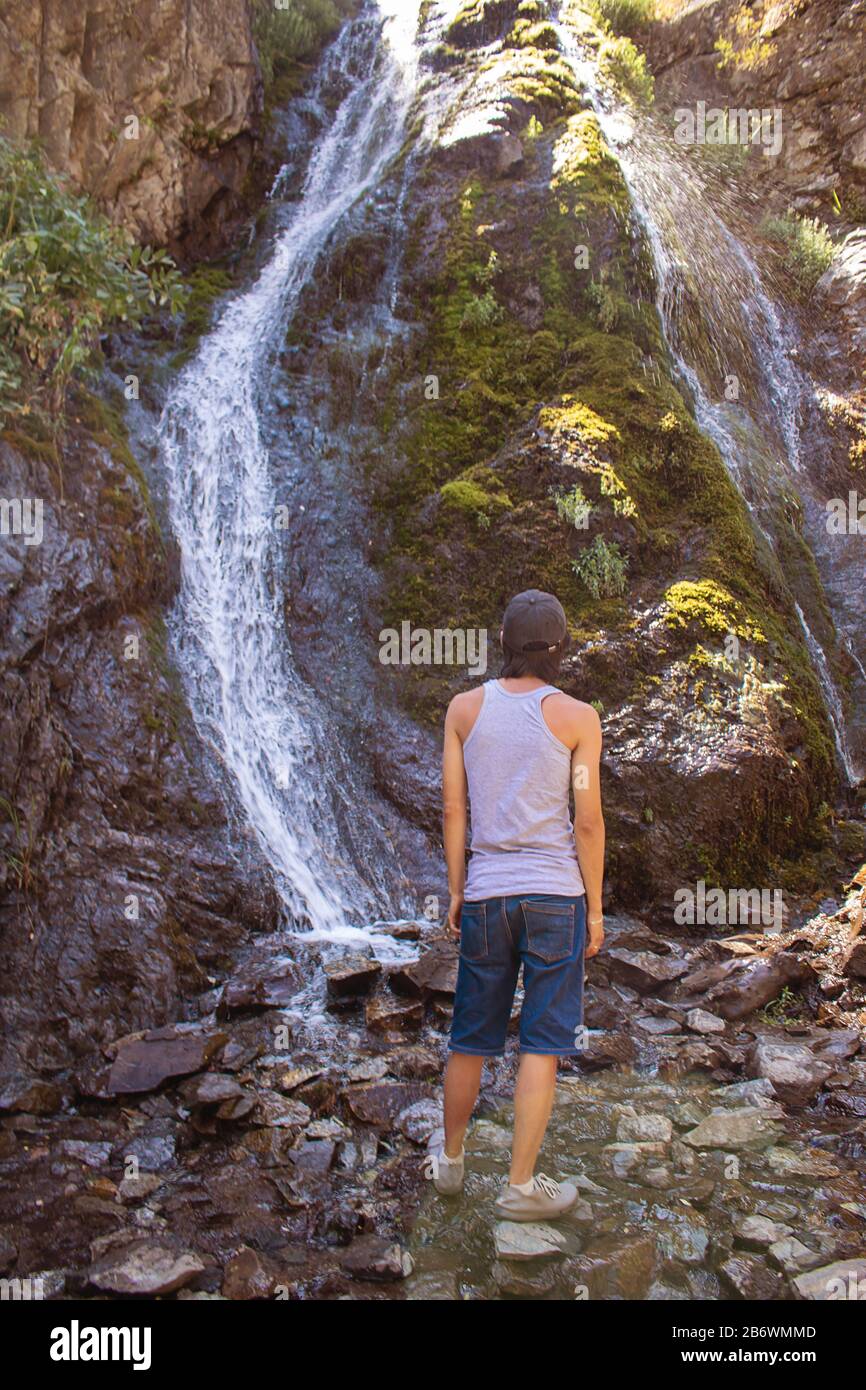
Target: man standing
x,y
532,895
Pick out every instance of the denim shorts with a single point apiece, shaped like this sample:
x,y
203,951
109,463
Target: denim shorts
x,y
545,933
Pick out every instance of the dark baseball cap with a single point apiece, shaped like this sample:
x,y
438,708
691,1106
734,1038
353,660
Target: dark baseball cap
x,y
534,622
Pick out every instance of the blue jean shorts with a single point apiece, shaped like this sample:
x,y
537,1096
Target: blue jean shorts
x,y
545,933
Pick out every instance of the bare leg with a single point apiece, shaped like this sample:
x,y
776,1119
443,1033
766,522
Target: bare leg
x,y
533,1102
462,1080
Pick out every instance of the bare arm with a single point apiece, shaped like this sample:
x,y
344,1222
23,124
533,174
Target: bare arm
x,y
454,816
589,821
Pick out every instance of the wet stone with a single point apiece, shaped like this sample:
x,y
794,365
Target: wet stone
x,y
384,1013
758,1232
792,1257
526,1240
845,1279
732,1129
524,1280
142,1064
435,971
146,1267
377,1257
351,975
417,1122
748,1277
381,1102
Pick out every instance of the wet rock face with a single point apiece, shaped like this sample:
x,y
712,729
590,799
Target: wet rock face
x,y
812,71
73,76
123,896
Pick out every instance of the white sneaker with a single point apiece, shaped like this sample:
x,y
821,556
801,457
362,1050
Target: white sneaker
x,y
546,1200
445,1173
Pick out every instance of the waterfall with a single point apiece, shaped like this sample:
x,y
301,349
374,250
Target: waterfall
x,y
264,723
733,354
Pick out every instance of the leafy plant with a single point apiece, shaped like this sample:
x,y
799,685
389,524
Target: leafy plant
x,y
808,245
623,16
573,507
66,274
743,47
602,568
296,31
626,68
482,311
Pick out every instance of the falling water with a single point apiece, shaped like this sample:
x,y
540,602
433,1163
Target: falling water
x,y
715,314
251,706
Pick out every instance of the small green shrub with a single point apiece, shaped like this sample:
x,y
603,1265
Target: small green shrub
x,y
66,274
287,36
808,245
601,567
626,68
573,507
623,16
482,311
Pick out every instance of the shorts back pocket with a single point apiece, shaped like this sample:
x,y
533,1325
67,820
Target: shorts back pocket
x,y
473,931
549,930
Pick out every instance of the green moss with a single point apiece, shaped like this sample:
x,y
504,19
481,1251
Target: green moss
x,y
479,493
205,285
107,427
711,606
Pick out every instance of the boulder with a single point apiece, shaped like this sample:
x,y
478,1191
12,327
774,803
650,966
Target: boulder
x,y
381,1102
144,1063
144,1267
526,1240
434,972
351,975
753,984
758,1232
795,1073
643,1128
644,970
733,1129
845,1279
378,1258
384,1013
247,1276
700,1021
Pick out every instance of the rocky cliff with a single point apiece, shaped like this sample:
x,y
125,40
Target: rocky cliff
x,y
123,889
153,108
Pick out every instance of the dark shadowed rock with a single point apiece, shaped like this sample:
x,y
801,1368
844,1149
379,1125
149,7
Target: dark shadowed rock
x,y
748,1277
643,970
377,1257
144,1063
435,971
351,975
381,1102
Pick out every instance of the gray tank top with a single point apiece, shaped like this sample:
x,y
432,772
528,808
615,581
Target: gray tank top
x,y
519,775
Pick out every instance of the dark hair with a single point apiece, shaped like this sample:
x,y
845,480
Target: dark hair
x,y
543,664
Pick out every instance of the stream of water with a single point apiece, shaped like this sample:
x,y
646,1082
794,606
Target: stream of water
x,y
267,726
273,733
734,355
